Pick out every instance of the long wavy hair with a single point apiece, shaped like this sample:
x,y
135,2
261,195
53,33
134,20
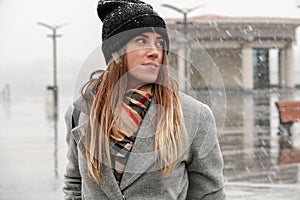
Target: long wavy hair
x,y
108,90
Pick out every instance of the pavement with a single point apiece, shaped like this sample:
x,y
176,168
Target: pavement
x,y
248,191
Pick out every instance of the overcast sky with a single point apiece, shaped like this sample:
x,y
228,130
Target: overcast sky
x,y
25,51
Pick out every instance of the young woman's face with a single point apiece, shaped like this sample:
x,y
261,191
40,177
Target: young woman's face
x,y
144,58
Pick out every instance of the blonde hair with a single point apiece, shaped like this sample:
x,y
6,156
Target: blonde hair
x,y
170,131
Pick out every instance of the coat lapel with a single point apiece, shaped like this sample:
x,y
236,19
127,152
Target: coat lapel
x,y
142,155
109,184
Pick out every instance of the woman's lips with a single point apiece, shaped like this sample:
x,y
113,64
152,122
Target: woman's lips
x,y
151,64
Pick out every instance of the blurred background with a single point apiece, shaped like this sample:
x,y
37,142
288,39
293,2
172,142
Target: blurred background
x,y
259,162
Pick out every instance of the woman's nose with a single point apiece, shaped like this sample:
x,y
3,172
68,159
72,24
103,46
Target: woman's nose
x,y
152,51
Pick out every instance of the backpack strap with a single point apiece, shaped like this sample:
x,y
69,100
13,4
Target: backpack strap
x,y
75,117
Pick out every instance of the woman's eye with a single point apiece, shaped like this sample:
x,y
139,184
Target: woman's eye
x,y
141,41
160,44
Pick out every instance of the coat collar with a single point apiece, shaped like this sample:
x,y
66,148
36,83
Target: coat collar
x,y
82,105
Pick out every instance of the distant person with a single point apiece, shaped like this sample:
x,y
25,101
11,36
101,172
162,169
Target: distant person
x,y
132,134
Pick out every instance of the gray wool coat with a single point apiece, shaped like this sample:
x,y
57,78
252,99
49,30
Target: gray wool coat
x,y
198,176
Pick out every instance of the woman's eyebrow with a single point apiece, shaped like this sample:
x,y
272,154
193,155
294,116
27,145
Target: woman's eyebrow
x,y
146,36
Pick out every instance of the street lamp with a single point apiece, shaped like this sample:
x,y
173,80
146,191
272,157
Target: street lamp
x,y
54,36
185,30
54,88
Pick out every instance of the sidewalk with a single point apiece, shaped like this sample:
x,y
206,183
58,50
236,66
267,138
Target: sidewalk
x,y
248,191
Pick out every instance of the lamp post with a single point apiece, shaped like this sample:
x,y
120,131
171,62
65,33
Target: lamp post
x,y
54,88
54,35
185,12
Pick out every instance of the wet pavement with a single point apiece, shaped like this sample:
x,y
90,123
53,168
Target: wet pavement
x,y
259,163
246,191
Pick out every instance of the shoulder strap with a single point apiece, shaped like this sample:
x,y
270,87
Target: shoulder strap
x,y
75,117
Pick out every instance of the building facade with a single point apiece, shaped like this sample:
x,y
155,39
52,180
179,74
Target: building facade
x,y
242,49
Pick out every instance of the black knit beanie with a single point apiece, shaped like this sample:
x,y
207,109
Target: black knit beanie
x,y
123,20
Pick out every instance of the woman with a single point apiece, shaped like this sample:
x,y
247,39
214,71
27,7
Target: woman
x,y
132,135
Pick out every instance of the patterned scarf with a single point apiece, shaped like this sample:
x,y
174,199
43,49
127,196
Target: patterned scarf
x,y
134,107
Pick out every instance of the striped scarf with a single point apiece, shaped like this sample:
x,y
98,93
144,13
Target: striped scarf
x,y
134,107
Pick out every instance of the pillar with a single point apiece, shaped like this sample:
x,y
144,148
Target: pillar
x,y
286,71
247,66
181,69
248,125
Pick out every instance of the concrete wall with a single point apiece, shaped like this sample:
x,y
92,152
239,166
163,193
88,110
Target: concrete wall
x,y
228,63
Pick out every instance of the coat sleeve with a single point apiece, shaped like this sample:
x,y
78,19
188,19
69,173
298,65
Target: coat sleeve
x,y
205,168
72,178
